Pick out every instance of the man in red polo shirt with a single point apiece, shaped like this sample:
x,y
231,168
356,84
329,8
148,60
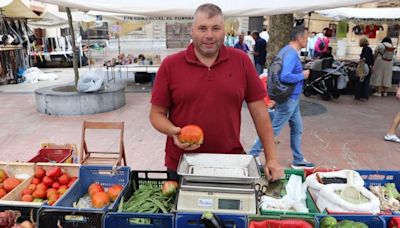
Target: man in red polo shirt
x,y
206,85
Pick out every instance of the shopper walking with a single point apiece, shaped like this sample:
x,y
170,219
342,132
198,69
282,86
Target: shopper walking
x,y
289,111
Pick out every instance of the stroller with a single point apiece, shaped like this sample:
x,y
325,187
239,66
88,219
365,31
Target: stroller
x,y
323,79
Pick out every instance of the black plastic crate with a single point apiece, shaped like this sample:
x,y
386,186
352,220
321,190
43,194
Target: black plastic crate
x,y
50,217
125,219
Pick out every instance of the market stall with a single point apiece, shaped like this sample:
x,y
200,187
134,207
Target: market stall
x,y
212,190
53,42
16,40
344,27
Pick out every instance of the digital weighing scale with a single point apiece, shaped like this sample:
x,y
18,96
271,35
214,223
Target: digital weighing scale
x,y
217,183
224,198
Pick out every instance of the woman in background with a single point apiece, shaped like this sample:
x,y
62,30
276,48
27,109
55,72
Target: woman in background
x,y
362,85
382,71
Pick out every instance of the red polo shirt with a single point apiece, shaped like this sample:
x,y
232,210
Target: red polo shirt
x,y
209,97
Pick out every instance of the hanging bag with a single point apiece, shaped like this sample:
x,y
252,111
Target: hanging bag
x,y
362,70
6,38
24,35
16,38
31,35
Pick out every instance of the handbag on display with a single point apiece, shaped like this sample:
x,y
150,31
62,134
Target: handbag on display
x,y
16,38
31,35
24,35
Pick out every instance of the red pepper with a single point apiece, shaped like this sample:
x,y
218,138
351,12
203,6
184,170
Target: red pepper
x,y
288,223
394,222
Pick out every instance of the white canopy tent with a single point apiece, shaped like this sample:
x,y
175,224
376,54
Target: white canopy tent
x,y
186,8
362,13
21,9
56,19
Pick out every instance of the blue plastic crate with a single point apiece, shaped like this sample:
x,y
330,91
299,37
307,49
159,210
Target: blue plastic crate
x,y
373,221
104,175
380,177
49,216
117,219
193,220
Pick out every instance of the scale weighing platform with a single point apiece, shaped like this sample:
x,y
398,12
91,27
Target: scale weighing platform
x,y
216,197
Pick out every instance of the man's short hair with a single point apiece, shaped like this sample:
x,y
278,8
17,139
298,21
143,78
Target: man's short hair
x,y
209,8
297,32
255,32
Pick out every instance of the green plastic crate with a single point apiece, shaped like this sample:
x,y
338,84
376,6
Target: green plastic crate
x,y
313,210
309,218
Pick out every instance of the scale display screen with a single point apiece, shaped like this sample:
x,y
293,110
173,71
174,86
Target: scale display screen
x,y
228,204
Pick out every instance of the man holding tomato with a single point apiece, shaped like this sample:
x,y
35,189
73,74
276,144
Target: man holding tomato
x,y
206,85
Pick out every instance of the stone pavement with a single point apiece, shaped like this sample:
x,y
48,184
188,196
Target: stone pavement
x,y
348,135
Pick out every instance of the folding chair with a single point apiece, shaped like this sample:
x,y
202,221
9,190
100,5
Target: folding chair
x,y
94,157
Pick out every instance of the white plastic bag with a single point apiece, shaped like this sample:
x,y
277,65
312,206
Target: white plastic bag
x,y
313,183
342,81
295,197
91,81
331,201
34,75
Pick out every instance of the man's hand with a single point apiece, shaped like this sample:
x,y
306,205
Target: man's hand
x,y
273,170
271,104
306,73
184,146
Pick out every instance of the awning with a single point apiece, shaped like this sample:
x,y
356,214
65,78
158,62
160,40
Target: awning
x,y
21,9
362,13
56,19
185,8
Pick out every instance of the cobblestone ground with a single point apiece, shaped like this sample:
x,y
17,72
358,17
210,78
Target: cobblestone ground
x,y
348,135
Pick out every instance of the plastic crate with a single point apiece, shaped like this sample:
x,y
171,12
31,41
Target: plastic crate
x,y
104,175
373,221
53,155
310,219
117,219
68,218
313,210
380,177
125,219
288,173
193,220
14,197
308,172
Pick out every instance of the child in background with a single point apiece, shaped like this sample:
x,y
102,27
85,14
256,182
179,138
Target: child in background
x,y
257,148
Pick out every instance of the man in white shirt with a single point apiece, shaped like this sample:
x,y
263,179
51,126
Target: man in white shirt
x,y
249,41
264,34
